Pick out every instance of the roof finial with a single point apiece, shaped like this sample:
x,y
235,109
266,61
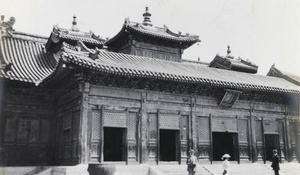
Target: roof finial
x,y
147,15
74,25
228,50
7,26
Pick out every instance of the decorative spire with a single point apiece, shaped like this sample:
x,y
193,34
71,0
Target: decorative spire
x,y
74,25
147,15
229,52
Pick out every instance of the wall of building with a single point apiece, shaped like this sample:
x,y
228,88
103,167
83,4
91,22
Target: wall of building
x,y
145,113
68,115
28,127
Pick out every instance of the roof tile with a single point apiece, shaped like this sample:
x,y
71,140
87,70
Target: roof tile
x,y
184,72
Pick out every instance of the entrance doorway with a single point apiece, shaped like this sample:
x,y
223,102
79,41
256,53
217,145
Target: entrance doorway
x,y
114,148
224,143
168,145
271,142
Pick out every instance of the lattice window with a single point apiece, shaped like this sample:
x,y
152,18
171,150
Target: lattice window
x,y
115,119
183,127
10,130
76,124
224,124
293,133
243,127
22,130
153,126
169,121
258,130
270,127
33,131
67,143
45,130
67,119
203,129
131,125
280,130
96,131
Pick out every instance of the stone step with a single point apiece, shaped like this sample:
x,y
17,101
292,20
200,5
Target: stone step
x,y
145,169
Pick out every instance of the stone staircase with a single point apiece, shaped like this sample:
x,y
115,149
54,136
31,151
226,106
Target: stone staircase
x,y
145,169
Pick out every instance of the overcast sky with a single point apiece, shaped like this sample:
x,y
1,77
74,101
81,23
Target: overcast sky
x,y
264,31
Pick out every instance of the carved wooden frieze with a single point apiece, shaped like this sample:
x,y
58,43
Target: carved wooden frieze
x,y
270,127
224,124
203,151
169,121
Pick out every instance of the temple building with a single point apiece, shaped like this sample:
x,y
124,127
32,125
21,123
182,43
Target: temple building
x,y
74,98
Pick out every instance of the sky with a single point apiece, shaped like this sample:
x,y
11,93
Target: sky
x,y
264,32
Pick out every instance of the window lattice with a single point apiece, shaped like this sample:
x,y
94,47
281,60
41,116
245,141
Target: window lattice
x,y
292,133
115,119
203,128
270,127
67,120
224,124
153,126
280,130
22,130
96,124
45,130
75,124
131,125
169,121
243,127
10,130
33,131
258,131
183,127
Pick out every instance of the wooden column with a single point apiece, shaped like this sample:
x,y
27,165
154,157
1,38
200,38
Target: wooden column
x,y
193,119
83,129
143,129
210,140
288,138
252,133
264,140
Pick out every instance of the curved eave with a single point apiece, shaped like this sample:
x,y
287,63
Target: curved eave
x,y
25,59
123,71
188,41
58,74
116,37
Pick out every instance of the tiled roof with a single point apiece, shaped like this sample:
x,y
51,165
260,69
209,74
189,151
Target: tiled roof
x,y
89,38
23,58
294,78
232,63
161,33
137,66
156,32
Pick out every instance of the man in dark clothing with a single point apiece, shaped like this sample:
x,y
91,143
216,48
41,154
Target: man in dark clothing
x,y
275,162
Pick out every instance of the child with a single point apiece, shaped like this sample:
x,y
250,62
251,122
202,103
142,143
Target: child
x,y
226,164
191,162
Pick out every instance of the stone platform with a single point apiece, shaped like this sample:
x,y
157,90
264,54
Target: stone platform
x,y
145,169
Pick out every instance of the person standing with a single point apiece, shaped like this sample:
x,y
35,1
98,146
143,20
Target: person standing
x,y
226,164
275,162
191,163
